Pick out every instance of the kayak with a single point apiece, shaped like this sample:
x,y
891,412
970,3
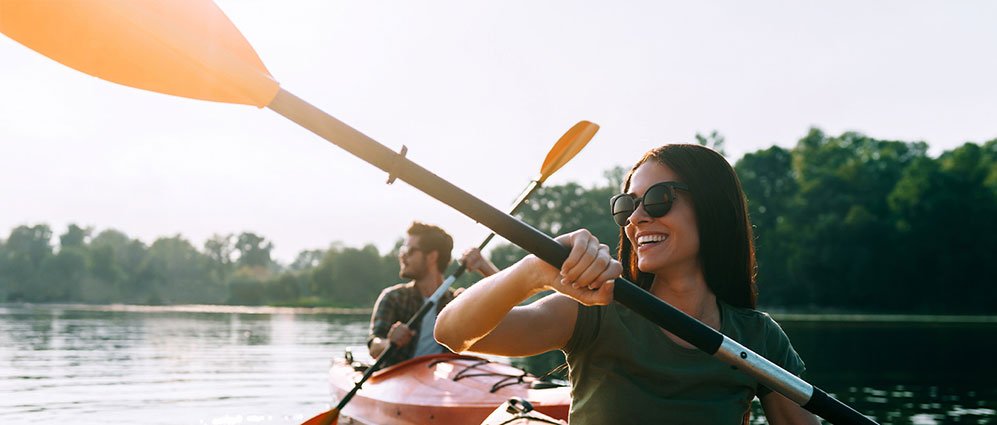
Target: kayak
x,y
443,388
519,412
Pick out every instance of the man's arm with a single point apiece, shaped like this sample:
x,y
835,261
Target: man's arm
x,y
475,262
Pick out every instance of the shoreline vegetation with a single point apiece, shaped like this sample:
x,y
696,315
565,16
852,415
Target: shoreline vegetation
x,y
843,225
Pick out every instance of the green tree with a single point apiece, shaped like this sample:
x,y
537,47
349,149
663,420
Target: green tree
x,y
247,286
63,274
254,250
353,277
219,249
771,189
25,250
107,275
714,141
307,259
175,272
75,236
117,260
560,209
286,288
945,223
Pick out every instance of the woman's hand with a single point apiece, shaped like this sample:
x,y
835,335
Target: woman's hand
x,y
587,274
487,318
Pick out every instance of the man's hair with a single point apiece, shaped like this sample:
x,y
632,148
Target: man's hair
x,y
433,238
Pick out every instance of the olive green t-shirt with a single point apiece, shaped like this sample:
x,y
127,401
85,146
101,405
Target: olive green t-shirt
x,y
623,369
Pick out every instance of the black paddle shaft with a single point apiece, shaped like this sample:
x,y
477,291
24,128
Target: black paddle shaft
x,y
536,242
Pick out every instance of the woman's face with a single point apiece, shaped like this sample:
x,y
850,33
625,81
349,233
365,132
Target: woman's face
x,y
669,242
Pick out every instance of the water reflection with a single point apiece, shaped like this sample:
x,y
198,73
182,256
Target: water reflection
x,y
929,372
155,366
163,367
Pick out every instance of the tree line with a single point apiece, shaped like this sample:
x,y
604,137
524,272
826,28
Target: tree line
x,y
110,267
845,223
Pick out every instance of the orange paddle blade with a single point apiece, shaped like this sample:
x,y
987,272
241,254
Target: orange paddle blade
x,y
567,147
185,48
325,418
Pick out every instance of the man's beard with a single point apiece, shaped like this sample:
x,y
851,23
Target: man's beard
x,y
414,273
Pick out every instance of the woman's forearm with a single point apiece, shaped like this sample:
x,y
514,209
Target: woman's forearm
x,y
478,310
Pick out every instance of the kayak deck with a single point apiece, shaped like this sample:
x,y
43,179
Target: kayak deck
x,y
444,388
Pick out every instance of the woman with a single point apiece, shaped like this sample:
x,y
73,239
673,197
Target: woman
x,y
685,237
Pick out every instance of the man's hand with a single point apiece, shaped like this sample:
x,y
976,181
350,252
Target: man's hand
x,y
400,335
476,262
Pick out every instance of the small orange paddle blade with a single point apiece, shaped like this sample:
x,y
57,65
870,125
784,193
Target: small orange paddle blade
x,y
185,48
325,418
567,147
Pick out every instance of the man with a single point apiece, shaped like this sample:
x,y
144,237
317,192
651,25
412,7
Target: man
x,y
423,258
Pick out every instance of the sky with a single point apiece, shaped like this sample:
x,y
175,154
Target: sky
x,y
478,92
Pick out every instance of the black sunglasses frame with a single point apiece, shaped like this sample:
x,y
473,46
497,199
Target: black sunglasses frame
x,y
654,209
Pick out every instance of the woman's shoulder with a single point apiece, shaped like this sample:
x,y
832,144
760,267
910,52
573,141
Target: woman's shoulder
x,y
749,323
762,334
745,314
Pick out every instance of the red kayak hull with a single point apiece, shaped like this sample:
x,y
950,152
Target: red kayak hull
x,y
444,389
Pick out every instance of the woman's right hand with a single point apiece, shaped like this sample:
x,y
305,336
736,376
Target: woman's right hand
x,y
587,274
488,317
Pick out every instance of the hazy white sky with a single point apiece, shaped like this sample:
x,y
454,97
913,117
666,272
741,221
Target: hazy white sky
x,y
478,91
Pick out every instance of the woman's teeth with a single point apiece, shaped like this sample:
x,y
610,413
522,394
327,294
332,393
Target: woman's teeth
x,y
644,240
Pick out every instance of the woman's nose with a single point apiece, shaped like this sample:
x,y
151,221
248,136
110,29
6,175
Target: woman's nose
x,y
638,216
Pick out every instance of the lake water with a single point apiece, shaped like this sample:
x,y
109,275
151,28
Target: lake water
x,y
215,365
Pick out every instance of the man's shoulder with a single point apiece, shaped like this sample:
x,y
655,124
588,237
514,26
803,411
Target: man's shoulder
x,y
397,289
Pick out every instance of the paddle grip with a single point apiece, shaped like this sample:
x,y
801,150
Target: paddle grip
x,y
835,411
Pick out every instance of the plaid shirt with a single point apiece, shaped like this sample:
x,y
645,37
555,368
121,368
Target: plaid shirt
x,y
399,303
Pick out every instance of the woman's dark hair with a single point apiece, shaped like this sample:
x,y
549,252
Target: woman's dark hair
x,y
726,248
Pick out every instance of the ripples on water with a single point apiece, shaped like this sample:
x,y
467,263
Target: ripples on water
x,y
161,367
914,405
189,365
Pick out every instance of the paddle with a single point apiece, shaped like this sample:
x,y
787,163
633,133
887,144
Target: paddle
x,y
189,48
566,148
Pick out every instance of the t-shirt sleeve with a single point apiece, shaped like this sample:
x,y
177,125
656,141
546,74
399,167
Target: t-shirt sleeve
x,y
586,328
780,351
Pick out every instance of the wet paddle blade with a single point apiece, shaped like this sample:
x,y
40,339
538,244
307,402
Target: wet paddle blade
x,y
567,147
186,48
325,418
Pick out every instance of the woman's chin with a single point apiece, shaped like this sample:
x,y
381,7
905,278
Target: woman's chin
x,y
648,266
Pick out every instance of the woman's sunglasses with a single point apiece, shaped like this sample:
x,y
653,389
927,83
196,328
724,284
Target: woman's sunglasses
x,y
657,201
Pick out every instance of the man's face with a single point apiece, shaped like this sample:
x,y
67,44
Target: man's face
x,y
412,259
